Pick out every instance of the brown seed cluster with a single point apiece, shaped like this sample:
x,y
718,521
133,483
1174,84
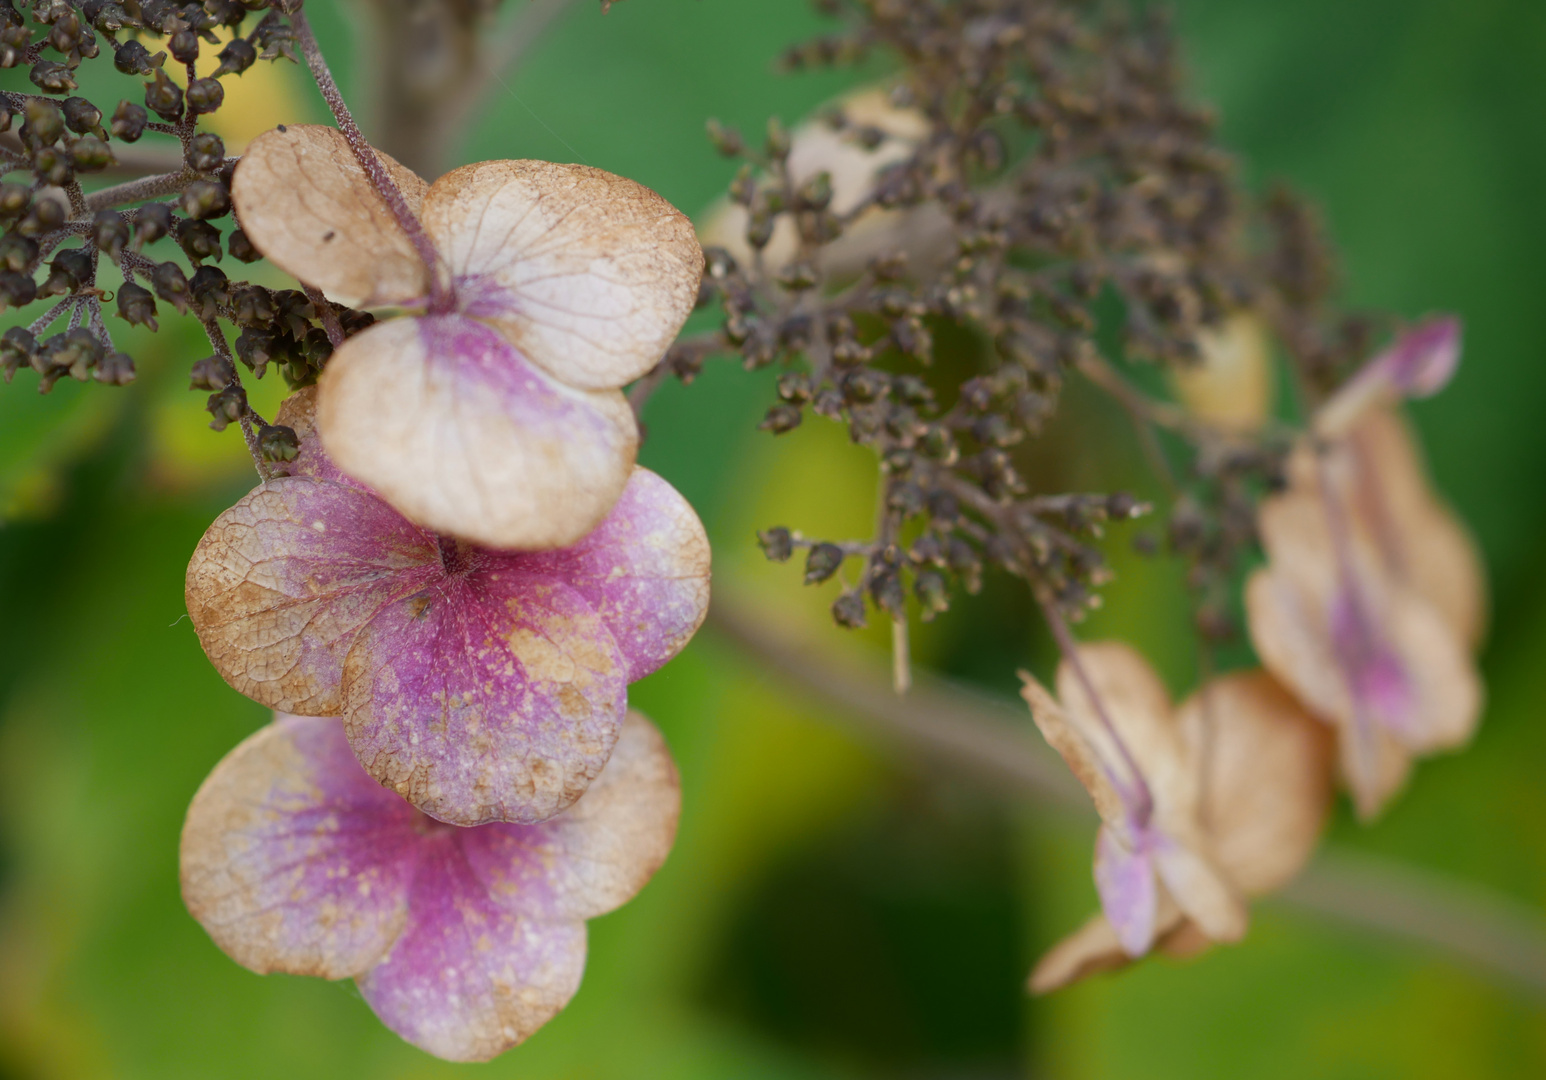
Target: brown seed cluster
x,y
165,233
1036,201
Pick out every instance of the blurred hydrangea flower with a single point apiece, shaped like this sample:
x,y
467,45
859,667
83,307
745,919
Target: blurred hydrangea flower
x,y
1373,595
481,685
1262,769
875,135
463,941
495,414
1230,385
1121,738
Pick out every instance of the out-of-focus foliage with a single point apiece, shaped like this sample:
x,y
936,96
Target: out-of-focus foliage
x,y
830,910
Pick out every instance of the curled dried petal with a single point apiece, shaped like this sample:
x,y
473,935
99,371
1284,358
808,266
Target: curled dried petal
x,y
305,203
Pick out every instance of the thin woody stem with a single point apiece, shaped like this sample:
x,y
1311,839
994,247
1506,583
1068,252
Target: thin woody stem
x,y
249,432
325,312
375,171
1070,649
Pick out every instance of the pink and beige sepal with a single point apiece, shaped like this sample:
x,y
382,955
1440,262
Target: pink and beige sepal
x,y
481,685
491,409
463,941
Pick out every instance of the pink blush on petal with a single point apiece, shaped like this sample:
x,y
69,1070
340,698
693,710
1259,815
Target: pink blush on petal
x,y
1380,685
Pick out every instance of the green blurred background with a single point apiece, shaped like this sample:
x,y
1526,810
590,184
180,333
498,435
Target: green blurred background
x,y
833,908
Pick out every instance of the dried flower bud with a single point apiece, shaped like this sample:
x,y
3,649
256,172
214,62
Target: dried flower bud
x,y
211,373
822,562
68,272
236,58
164,97
110,233
933,593
90,154
171,285
781,418
132,58
14,200
778,138
53,166
726,140
206,199
278,443
253,307
184,46
199,241
205,95
241,248
848,611
777,544
256,349
52,78
44,123
136,306
225,407
82,117
151,223
210,289
17,252
129,121
206,152
115,369
17,290
16,348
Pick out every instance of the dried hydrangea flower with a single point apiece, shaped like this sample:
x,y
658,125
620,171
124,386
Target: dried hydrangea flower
x,y
1263,770
463,941
1372,598
481,685
1230,385
875,136
494,413
1120,736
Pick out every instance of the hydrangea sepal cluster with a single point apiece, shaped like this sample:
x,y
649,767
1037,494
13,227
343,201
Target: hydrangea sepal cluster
x,y
481,685
493,412
463,940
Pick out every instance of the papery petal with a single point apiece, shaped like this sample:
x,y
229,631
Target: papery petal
x,y
1267,787
1199,889
1125,880
451,425
601,851
469,979
299,413
1062,736
282,581
1094,948
306,204
1420,537
645,570
293,859
590,275
1418,364
1138,706
494,697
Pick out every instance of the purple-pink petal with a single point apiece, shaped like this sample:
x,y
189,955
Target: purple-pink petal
x,y
294,859
1125,881
469,978
1421,361
489,696
645,570
1381,688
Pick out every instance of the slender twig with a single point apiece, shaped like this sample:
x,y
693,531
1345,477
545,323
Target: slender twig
x,y
325,312
986,738
375,171
146,187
